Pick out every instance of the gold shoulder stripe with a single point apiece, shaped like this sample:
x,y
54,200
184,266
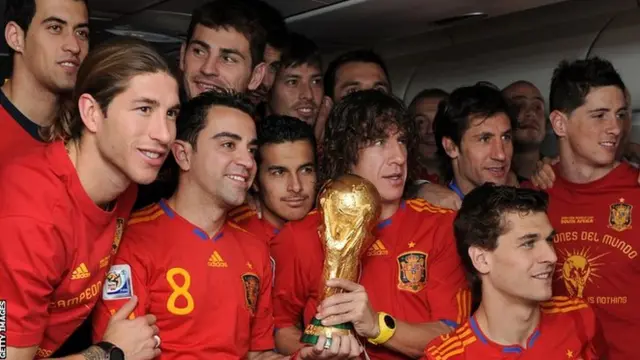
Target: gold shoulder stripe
x,y
417,201
147,210
312,212
236,226
564,309
244,216
239,210
454,344
562,302
141,219
463,298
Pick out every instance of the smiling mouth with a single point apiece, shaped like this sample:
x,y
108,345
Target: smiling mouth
x,y
543,276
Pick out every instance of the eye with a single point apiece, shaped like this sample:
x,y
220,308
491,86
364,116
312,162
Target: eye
x,y
229,146
173,114
316,81
507,137
291,82
277,172
485,138
55,28
198,51
253,151
352,90
529,244
229,59
144,109
307,170
84,34
379,142
382,88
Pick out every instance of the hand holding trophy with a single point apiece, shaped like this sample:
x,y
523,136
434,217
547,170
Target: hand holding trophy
x,y
350,208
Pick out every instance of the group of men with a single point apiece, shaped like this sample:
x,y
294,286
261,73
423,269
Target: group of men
x,y
186,269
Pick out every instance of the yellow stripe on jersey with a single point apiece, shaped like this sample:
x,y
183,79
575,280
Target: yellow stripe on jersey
x,y
246,215
420,205
141,219
149,209
454,344
463,298
239,210
236,226
562,304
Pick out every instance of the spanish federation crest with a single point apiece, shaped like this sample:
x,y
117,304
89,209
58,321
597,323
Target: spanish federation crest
x,y
412,271
118,235
251,290
620,216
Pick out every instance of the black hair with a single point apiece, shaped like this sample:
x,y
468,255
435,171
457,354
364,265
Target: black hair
x,y
455,114
355,122
240,16
193,114
302,50
572,82
432,93
480,221
273,23
278,129
366,56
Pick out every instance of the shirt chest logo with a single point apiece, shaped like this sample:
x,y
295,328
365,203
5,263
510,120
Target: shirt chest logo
x,y
412,271
620,216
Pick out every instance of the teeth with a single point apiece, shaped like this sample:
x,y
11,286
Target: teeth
x,y
543,276
608,143
237,178
68,64
151,155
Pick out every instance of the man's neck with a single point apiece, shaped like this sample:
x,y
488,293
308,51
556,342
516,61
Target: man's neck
x,y
388,209
102,181
463,183
33,100
198,208
524,162
576,169
273,219
505,321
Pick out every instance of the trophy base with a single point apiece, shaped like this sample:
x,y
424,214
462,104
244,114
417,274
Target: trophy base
x,y
313,331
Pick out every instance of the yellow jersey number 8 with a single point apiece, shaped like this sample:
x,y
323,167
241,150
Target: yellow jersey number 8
x,y
179,291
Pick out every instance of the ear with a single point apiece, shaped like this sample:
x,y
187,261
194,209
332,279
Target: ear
x,y
182,151
559,122
90,112
450,147
257,75
183,51
480,259
14,36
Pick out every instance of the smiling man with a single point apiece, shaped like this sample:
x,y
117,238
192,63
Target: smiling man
x,y
286,179
505,241
48,40
224,48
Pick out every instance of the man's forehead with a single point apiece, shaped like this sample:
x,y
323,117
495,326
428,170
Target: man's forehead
x,y
72,11
496,122
282,153
354,69
221,37
302,69
523,90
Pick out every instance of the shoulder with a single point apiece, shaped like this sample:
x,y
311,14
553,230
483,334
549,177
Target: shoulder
x,y
425,208
242,214
290,234
452,345
559,305
146,225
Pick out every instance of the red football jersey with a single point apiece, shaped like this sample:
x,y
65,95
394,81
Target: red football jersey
x,y
211,296
247,218
597,255
18,134
55,248
567,330
412,270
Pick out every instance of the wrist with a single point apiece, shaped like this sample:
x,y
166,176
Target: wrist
x,y
386,329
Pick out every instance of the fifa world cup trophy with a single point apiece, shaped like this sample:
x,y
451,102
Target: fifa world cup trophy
x,y
350,208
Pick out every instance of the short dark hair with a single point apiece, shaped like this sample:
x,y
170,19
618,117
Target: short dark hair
x,y
273,23
355,122
240,16
301,51
22,13
278,129
480,221
572,81
432,93
455,113
193,113
363,55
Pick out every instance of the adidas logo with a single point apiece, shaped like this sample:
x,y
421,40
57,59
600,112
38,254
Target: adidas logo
x,y
377,249
81,272
215,260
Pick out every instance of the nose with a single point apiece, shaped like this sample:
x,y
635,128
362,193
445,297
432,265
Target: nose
x,y
548,254
294,185
615,125
245,159
162,129
210,66
498,151
72,44
305,91
397,153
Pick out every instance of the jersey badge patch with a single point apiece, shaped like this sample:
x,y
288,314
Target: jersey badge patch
x,y
412,271
251,290
620,216
118,283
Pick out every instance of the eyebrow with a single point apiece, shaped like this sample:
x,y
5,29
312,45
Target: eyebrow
x,y
147,101
528,237
307,164
226,134
599,110
63,22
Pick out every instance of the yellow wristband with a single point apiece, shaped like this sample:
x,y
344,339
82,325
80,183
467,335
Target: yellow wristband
x,y
387,325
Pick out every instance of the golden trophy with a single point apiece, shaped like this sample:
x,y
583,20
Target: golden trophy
x,y
350,208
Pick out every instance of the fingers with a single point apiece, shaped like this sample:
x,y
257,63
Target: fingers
x,y
355,348
457,203
344,284
126,309
338,319
333,310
